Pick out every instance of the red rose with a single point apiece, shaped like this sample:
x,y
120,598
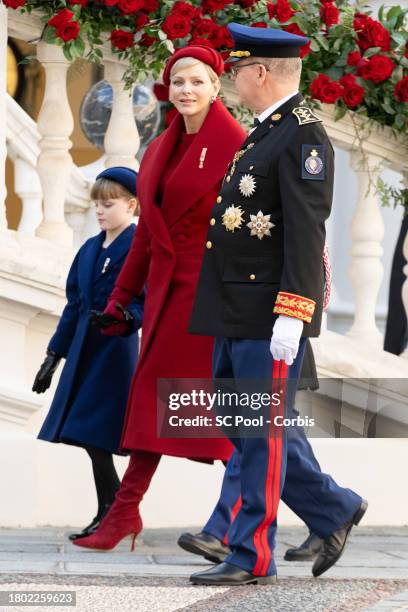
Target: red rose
x,y
147,41
184,9
211,6
151,6
325,89
176,26
61,17
401,90
247,3
14,4
283,11
110,2
121,39
271,9
204,27
130,6
220,37
68,30
81,2
329,14
353,93
377,69
202,41
161,92
406,49
259,24
371,33
141,20
353,58
293,28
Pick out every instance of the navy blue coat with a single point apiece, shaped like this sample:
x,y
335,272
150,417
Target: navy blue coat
x,y
90,400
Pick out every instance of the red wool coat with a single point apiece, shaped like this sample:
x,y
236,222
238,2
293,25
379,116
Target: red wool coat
x,y
166,253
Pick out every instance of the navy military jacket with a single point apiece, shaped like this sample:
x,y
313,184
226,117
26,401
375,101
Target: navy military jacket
x,y
266,235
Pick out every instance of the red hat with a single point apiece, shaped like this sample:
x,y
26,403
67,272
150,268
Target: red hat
x,y
205,54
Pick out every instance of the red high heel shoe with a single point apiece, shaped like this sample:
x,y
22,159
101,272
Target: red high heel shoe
x,y
123,518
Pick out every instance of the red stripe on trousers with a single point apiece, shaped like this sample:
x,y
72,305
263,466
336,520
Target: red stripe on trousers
x,y
235,509
272,483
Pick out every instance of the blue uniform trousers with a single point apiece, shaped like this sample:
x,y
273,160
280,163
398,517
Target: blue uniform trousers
x,y
263,469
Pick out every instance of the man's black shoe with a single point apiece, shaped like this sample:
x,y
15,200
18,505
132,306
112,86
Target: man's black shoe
x,y
204,544
334,545
306,551
226,574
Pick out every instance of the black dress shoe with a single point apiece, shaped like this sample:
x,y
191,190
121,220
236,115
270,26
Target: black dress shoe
x,y
205,545
334,545
93,525
306,551
226,574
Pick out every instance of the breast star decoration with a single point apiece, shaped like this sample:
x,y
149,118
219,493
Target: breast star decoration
x,y
232,218
247,185
260,225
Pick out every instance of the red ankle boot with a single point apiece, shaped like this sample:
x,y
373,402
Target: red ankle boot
x,y
123,518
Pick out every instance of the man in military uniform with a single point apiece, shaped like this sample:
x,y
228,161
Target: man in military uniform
x,y
260,294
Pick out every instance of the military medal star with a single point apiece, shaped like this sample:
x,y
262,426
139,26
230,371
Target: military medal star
x,y
232,218
247,185
260,225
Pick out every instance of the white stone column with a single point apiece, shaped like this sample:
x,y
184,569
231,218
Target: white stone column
x,y
55,124
367,231
3,114
28,188
122,140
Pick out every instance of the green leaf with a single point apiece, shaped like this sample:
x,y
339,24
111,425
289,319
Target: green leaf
x,y
67,53
399,121
314,46
322,42
398,37
340,112
388,108
371,51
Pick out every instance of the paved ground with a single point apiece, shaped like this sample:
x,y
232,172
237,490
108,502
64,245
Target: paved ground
x,y
372,575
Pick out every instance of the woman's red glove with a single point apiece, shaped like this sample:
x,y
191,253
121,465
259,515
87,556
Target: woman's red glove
x,y
114,320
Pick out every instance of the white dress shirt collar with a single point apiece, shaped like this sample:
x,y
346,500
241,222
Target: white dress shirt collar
x,y
272,108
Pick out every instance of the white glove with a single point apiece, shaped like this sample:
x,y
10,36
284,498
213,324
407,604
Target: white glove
x,y
285,340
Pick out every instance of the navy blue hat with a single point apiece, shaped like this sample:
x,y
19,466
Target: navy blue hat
x,y
263,42
122,175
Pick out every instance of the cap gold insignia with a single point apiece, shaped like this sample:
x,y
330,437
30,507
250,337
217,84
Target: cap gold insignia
x,y
247,185
240,53
260,225
232,218
276,117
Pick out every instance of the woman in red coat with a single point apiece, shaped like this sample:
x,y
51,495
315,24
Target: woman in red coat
x,y
178,183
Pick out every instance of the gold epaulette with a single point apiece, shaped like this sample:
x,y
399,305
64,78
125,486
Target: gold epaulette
x,y
305,115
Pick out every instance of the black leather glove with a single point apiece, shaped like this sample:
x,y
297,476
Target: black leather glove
x,y
45,373
105,320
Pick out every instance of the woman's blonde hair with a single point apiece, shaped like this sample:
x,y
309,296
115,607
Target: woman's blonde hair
x,y
186,62
105,189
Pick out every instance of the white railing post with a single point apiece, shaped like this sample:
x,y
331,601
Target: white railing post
x,y
367,231
122,140
28,188
55,124
3,114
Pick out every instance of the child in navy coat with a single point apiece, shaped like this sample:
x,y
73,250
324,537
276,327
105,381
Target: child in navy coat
x,y
89,404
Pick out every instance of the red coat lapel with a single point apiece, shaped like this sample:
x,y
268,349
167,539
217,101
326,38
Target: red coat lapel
x,y
222,136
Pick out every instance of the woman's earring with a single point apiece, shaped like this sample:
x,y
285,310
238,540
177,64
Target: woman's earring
x,y
213,99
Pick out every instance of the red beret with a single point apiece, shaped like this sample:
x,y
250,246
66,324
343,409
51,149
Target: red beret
x,y
205,54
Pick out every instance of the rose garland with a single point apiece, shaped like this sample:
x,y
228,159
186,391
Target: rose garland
x,y
352,61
